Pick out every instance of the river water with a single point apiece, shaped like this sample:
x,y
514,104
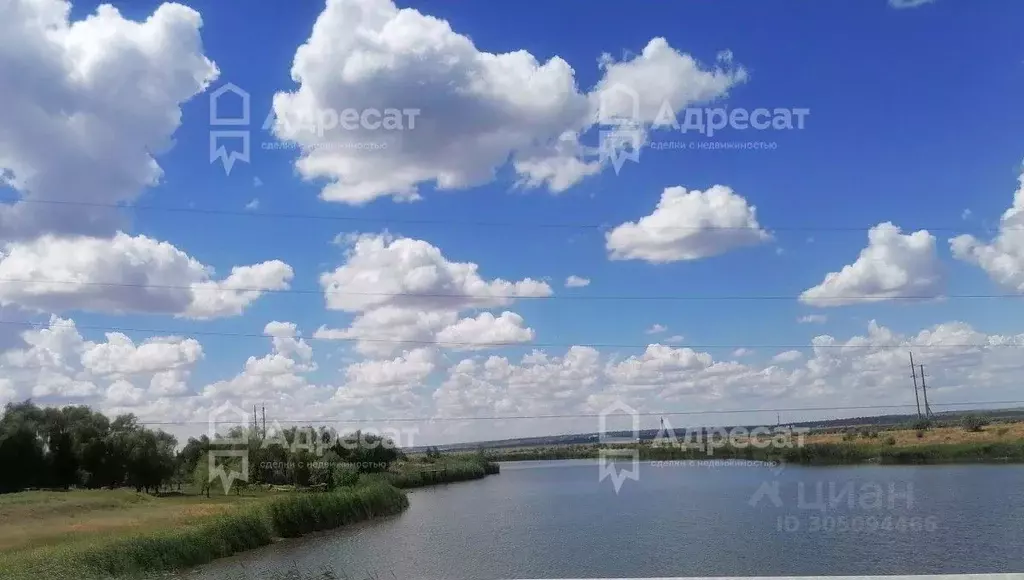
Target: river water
x,y
555,519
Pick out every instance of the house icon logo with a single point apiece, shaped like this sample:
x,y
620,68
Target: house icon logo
x,y
622,132
612,101
233,465
608,457
220,139
222,420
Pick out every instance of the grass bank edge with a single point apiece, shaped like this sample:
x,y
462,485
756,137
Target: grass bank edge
x,y
290,515
810,454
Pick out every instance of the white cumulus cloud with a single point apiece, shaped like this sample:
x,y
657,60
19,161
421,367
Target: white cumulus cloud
x,y
460,113
688,225
1002,258
406,290
893,265
127,274
576,282
86,105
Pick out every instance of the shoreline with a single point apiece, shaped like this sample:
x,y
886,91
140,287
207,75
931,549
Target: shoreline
x,y
824,454
261,522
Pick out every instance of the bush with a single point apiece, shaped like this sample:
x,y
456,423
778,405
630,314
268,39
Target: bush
x,y
973,423
223,536
921,424
890,440
919,434
345,475
296,515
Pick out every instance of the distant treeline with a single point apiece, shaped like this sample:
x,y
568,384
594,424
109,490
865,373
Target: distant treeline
x,y
811,454
75,446
946,418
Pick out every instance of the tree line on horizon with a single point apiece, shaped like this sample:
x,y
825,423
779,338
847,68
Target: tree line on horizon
x,y
78,447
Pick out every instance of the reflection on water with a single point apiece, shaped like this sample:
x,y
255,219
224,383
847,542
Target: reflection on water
x,y
555,519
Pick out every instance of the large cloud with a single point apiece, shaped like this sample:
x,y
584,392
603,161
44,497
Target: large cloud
x,y
151,378
473,111
863,370
280,375
127,274
85,107
404,289
893,265
59,364
688,225
640,89
391,384
1003,258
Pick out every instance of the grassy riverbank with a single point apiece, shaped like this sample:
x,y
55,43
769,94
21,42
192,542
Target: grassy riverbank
x,y
444,472
91,534
993,444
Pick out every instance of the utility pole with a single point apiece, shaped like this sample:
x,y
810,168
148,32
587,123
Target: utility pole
x,y
254,425
913,373
924,389
264,420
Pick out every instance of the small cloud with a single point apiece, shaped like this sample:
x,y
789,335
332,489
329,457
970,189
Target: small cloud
x,y
742,352
675,339
254,204
908,3
813,319
810,239
576,282
779,251
656,329
788,356
966,215
256,182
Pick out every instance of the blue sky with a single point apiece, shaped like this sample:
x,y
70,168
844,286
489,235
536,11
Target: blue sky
x,y
913,119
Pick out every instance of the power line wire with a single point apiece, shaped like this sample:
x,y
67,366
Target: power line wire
x,y
474,223
455,344
483,297
587,415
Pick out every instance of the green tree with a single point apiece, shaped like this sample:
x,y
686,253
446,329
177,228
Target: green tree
x,y
201,476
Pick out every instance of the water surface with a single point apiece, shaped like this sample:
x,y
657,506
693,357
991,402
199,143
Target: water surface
x,y
551,519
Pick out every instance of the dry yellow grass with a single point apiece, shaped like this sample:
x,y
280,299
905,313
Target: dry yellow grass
x,y
39,518
938,435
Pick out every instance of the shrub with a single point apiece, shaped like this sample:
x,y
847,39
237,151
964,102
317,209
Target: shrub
x,y
890,440
973,423
921,424
223,536
296,515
